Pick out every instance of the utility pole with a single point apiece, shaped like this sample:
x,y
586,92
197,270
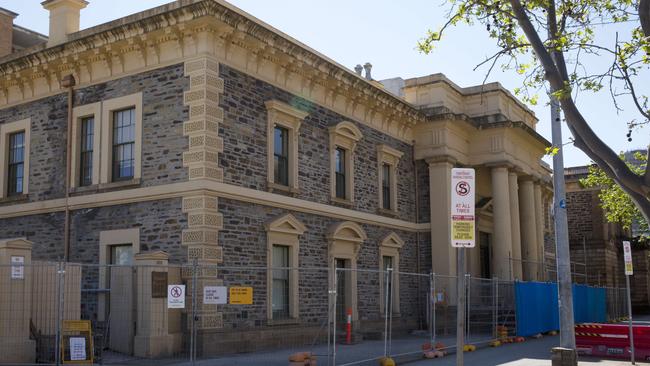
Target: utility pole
x,y
565,295
567,350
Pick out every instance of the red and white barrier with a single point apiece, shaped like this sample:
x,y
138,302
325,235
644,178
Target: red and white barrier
x,y
612,340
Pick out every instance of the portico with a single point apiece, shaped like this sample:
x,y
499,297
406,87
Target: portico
x,y
492,132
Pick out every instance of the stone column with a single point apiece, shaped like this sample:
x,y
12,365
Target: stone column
x,y
502,243
514,225
16,302
152,338
528,228
539,229
443,256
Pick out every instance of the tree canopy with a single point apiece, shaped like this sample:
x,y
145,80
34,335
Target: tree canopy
x,y
616,204
560,45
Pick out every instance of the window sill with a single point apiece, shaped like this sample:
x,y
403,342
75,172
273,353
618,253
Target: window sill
x,y
341,201
121,184
93,188
385,212
280,322
14,199
271,187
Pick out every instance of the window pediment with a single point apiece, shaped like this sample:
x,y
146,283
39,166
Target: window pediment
x,y
345,134
283,113
287,224
388,154
347,231
392,240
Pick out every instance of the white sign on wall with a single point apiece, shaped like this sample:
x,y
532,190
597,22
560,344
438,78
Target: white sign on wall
x,y
215,295
176,296
462,208
17,267
627,256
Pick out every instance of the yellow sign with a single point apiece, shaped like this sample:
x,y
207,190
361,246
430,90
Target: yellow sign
x,y
241,295
77,342
462,230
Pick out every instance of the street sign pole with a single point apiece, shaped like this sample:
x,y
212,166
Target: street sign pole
x,y
627,256
460,311
463,235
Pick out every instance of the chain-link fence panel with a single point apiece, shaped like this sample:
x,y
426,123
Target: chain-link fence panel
x,y
616,302
481,310
410,316
264,315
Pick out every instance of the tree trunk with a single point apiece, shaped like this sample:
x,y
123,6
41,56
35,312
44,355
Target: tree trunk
x,y
585,138
644,16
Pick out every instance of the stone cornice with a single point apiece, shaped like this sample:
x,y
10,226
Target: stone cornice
x,y
178,22
447,115
468,91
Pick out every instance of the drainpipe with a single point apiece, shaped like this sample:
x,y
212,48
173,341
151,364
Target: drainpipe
x,y
417,233
69,83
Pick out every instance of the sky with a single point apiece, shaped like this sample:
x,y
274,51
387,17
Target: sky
x,y
384,33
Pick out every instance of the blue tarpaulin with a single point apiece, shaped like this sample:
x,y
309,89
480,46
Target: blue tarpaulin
x,y
536,306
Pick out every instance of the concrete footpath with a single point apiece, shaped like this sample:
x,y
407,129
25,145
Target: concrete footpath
x,y
533,352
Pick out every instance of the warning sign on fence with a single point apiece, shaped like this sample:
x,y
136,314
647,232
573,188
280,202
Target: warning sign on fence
x,y
462,208
241,295
215,295
176,296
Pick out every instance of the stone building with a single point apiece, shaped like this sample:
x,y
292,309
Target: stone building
x,y
598,243
198,130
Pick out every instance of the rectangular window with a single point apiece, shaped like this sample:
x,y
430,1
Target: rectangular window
x,y
122,254
281,156
339,171
16,165
385,186
86,151
123,144
388,263
280,301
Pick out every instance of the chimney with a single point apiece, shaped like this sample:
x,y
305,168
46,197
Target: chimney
x,y
64,18
358,69
6,31
368,67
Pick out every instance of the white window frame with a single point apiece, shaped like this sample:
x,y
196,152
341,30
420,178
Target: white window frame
x,y
7,129
344,135
390,246
108,108
283,115
93,110
390,156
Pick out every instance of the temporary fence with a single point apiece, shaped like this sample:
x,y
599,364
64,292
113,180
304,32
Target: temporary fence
x,y
537,310
51,313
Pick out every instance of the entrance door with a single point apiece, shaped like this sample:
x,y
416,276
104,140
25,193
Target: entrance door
x,y
121,304
342,290
485,255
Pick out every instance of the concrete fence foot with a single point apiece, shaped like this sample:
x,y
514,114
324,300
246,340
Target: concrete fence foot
x,y
564,357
